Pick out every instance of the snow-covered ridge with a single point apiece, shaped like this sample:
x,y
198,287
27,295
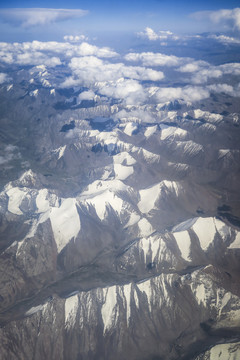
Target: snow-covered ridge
x,y
150,195
62,213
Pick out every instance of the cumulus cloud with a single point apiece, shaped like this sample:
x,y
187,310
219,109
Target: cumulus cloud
x,y
28,17
36,58
203,75
230,68
226,89
86,95
88,70
9,153
162,35
193,66
187,93
192,93
128,90
155,59
135,115
75,38
224,39
3,78
50,53
86,49
228,17
114,80
202,71
222,88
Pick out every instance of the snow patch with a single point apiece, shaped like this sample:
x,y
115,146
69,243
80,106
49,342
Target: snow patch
x,y
212,117
150,131
124,158
61,151
165,133
65,222
222,299
236,243
42,68
102,193
144,246
225,352
122,172
145,227
201,294
101,201
127,294
222,228
34,93
185,225
148,198
134,218
16,197
150,157
46,83
109,308
145,287
98,187
184,243
172,186
136,298
41,201
130,128
71,308
205,229
34,309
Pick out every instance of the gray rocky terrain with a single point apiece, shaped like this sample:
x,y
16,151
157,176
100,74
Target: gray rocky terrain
x,y
119,225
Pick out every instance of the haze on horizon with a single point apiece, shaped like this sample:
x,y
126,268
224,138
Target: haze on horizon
x,y
44,20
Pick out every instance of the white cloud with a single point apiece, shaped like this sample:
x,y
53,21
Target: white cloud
x,y
225,39
228,17
48,53
203,75
193,93
75,38
86,95
155,59
149,34
162,35
202,71
223,88
128,90
86,49
36,58
194,66
187,93
135,115
88,70
10,152
28,17
3,78
230,68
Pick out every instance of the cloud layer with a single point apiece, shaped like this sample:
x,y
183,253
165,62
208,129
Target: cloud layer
x,y
3,78
227,17
28,17
162,35
137,78
49,53
155,59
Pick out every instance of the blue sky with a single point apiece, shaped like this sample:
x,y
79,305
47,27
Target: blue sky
x,y
110,17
